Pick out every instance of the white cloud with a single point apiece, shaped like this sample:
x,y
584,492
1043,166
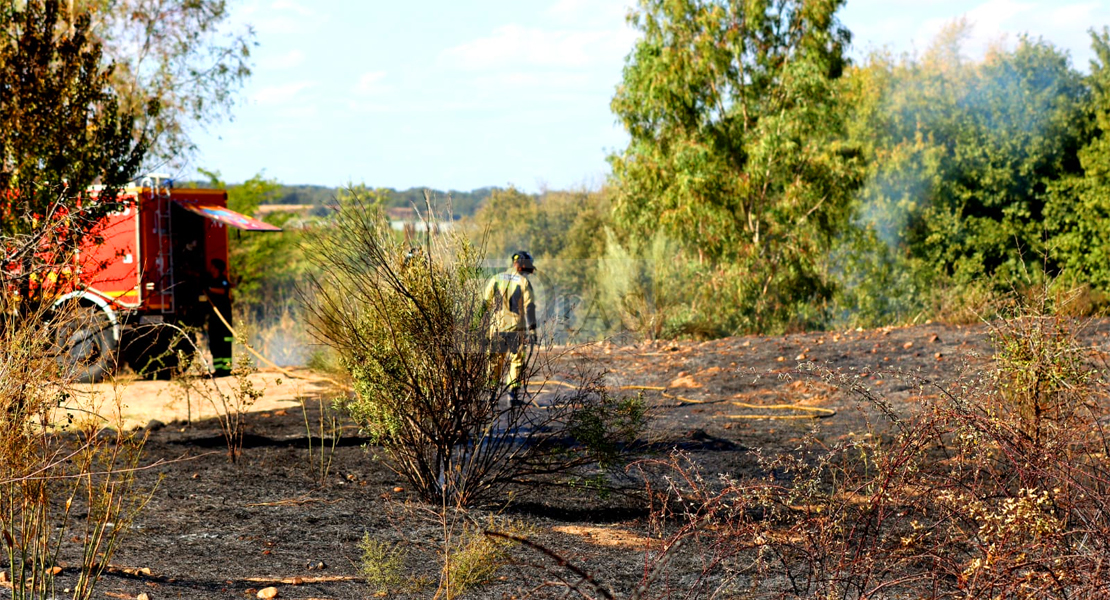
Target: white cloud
x,y
516,46
281,94
1082,14
535,89
281,17
1064,24
996,19
289,5
370,83
297,113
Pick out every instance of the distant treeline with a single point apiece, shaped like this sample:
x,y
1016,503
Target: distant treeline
x,y
463,204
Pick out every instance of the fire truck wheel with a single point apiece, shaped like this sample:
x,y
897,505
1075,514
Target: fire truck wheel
x,y
155,351
86,345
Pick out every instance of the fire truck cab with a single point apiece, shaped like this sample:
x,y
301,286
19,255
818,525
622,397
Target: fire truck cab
x,y
145,282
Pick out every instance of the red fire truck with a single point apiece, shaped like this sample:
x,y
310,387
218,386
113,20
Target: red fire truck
x,y
146,283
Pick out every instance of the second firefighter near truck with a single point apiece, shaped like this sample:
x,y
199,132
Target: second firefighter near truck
x,y
512,307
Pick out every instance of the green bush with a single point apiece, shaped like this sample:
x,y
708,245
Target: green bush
x,y
1043,375
412,330
472,558
382,565
649,287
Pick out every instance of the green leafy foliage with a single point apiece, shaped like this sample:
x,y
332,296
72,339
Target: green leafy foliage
x,y
413,331
565,232
645,287
735,151
604,427
1080,212
383,565
182,54
265,268
554,227
62,129
963,158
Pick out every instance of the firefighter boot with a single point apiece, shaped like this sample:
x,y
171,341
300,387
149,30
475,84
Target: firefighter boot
x,y
516,398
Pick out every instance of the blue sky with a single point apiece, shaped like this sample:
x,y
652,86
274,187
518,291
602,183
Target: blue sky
x,y
458,95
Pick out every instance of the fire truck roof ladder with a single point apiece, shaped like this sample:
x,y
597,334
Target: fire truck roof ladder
x,y
160,192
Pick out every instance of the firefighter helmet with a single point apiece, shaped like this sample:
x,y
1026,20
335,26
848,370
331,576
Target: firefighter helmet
x,y
523,261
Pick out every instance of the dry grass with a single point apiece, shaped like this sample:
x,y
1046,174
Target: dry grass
x,y
998,488
68,488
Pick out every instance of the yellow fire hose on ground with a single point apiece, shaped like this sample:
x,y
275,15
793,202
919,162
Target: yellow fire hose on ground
x,y
815,412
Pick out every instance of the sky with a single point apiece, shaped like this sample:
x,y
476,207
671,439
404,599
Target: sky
x,y
457,95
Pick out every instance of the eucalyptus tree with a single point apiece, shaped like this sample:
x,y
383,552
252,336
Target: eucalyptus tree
x,y
736,148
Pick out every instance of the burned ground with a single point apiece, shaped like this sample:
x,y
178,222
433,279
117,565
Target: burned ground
x,y
215,529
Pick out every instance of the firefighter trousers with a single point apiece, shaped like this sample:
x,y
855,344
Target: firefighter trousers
x,y
508,349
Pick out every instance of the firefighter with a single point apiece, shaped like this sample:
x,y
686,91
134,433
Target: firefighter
x,y
411,257
219,334
512,310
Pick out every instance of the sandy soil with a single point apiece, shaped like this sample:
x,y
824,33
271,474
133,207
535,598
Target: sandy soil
x,y
135,402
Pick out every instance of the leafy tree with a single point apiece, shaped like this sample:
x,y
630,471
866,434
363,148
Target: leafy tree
x,y
735,154
1014,134
1080,212
508,222
62,129
564,231
181,53
264,268
962,157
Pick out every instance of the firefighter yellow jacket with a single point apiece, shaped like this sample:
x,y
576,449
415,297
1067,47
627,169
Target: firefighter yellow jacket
x,y
511,302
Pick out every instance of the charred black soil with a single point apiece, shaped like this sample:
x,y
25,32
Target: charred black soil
x,y
217,529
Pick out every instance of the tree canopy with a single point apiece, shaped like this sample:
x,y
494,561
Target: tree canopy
x,y
1079,214
736,149
184,54
62,127
963,154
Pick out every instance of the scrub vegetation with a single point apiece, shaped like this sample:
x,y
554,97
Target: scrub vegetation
x,y
412,330
775,200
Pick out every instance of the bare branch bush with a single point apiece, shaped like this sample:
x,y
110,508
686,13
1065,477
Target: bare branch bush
x,y
232,405
61,483
414,335
998,488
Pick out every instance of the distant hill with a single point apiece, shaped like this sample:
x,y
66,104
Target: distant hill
x,y
316,195
463,204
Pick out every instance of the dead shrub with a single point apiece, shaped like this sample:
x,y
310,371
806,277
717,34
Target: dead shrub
x,y
414,335
231,403
997,488
67,489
